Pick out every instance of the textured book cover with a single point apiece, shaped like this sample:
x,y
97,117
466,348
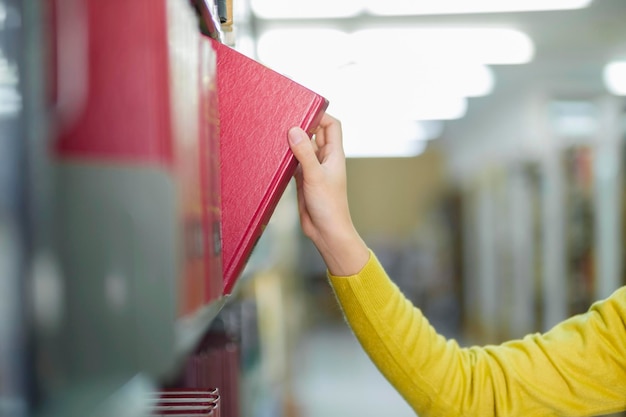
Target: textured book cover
x,y
257,106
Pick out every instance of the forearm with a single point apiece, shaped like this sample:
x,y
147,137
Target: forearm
x,y
345,253
578,368
398,339
322,197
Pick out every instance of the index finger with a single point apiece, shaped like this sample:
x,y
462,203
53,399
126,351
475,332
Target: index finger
x,y
329,131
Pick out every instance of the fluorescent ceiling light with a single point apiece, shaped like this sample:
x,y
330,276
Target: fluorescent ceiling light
x,y
305,9
308,9
466,80
433,78
383,138
478,45
416,7
406,47
384,104
393,105
361,91
615,77
288,51
291,51
434,108
372,149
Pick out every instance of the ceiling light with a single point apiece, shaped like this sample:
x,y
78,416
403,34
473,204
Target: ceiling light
x,y
361,91
305,9
461,79
412,7
478,45
382,138
289,50
434,108
615,77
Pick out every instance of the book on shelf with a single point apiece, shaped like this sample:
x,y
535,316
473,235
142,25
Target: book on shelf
x,y
213,369
137,167
117,214
151,103
187,79
211,183
195,97
257,107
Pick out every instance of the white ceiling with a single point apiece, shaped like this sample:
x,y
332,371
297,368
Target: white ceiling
x,y
571,47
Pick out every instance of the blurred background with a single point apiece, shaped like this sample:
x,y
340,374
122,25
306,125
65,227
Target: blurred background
x,y
486,151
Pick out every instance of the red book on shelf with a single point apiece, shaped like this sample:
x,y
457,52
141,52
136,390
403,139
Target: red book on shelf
x,y
113,87
142,103
257,106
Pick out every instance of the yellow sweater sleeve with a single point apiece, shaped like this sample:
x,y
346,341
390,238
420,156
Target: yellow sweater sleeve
x,y
577,368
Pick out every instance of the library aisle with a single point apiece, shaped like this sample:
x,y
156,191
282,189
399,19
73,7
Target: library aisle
x,y
335,378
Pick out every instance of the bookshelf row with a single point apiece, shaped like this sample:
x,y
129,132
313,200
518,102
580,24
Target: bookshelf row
x,y
543,227
145,158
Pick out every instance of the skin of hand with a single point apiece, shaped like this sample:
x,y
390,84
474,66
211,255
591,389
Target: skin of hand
x,y
322,197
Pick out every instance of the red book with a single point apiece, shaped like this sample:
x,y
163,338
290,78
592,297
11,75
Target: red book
x,y
136,98
257,106
119,206
113,88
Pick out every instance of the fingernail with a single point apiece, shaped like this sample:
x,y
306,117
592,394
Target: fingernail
x,y
295,135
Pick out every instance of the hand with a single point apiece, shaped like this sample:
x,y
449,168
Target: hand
x,y
322,197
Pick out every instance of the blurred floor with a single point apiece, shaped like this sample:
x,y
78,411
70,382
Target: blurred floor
x,y
335,378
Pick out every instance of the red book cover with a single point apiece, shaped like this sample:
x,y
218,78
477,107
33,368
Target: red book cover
x,y
132,92
112,88
257,106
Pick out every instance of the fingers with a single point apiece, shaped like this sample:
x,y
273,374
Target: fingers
x,y
329,132
303,149
327,144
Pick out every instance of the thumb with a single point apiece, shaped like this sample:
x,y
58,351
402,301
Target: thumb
x,y
302,148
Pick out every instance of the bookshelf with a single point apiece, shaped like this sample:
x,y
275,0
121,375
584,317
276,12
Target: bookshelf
x,y
110,208
567,224
18,143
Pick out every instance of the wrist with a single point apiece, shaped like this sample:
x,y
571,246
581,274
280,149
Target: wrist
x,y
344,252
